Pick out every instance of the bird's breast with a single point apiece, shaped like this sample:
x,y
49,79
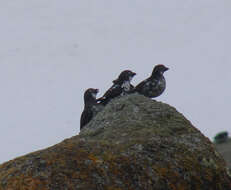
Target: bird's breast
x,y
155,88
126,86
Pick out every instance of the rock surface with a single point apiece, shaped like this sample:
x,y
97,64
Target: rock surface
x,y
225,150
135,143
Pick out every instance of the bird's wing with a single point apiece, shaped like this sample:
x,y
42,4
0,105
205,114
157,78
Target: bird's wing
x,y
114,91
153,83
140,85
148,83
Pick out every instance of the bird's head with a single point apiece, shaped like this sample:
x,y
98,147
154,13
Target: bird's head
x,y
90,94
126,75
159,70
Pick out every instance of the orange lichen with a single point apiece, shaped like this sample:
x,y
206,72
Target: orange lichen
x,y
162,150
26,183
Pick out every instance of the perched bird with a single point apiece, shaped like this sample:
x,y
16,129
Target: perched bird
x,y
121,86
154,85
91,108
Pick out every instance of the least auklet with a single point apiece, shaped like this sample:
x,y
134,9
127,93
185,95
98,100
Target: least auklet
x,y
121,86
154,85
91,108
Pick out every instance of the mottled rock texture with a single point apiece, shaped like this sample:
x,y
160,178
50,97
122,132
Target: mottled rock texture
x,y
225,150
135,143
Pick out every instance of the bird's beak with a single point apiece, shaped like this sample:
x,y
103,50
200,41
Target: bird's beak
x,y
133,74
166,68
96,90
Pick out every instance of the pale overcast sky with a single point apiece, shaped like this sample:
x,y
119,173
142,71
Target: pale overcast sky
x,y
51,51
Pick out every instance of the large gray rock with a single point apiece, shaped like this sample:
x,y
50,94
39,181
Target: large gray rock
x,y
134,143
225,150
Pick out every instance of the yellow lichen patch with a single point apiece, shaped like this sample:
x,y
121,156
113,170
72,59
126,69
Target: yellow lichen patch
x,y
93,157
26,183
173,179
8,172
107,156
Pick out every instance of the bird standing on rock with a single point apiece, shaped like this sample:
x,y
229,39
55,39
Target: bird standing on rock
x,y
154,85
121,86
91,108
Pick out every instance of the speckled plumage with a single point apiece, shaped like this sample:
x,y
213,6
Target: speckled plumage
x,y
121,86
155,85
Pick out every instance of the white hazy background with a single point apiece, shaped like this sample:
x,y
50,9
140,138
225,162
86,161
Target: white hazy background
x,y
51,51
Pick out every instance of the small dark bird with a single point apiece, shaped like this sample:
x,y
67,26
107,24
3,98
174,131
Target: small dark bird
x,y
154,85
121,86
90,106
